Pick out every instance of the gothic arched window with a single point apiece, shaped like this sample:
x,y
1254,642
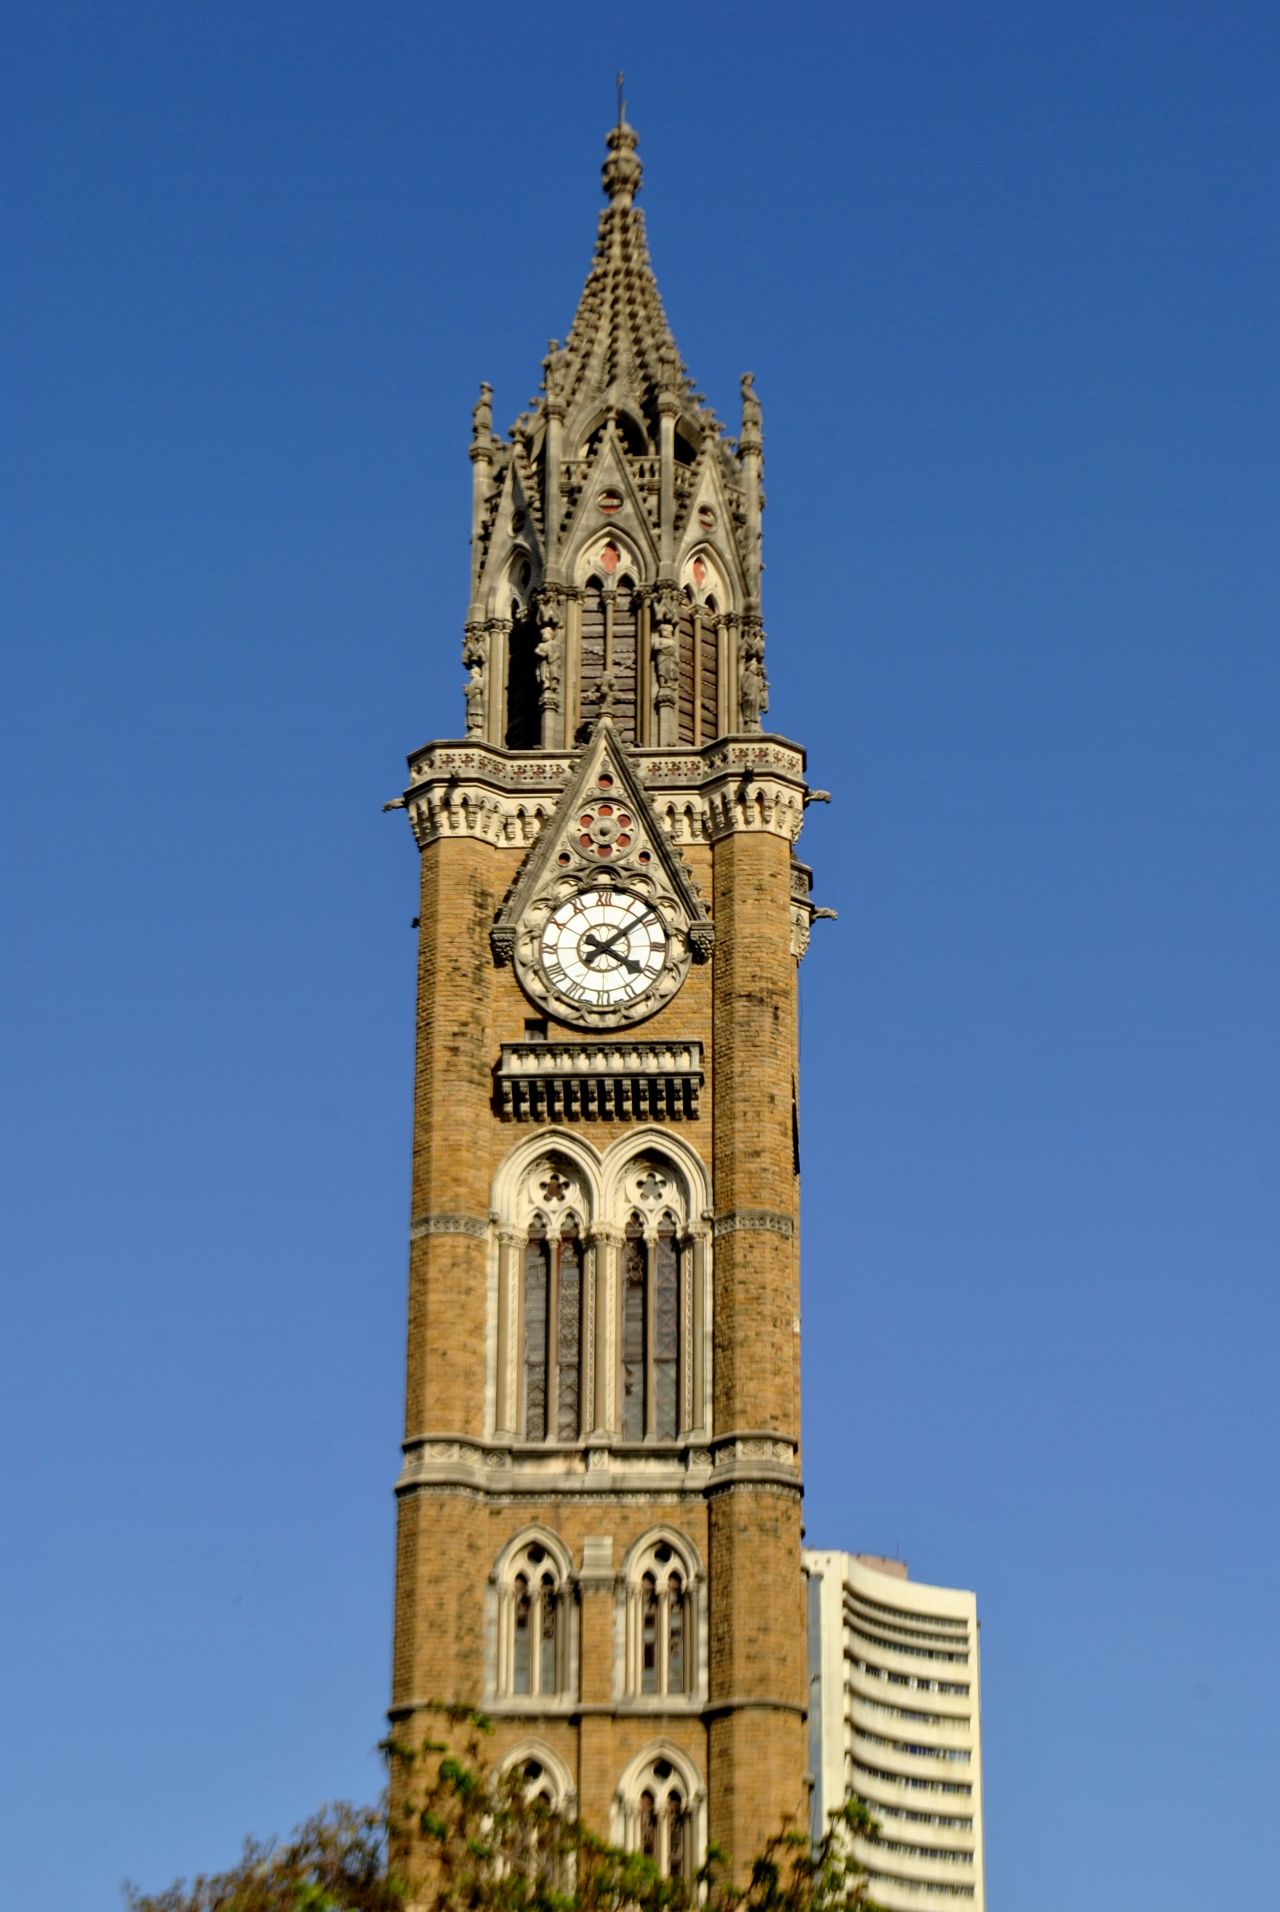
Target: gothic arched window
x,y
607,642
537,1785
600,1319
661,1621
532,1625
552,1330
652,1318
523,726
657,1814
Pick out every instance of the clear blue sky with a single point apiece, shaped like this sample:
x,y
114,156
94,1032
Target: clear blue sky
x,y
1007,277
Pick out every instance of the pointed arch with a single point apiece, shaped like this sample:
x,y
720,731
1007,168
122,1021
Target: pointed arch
x,y
516,1171
534,1639
539,1777
692,1180
551,1784
601,1290
663,1617
632,432
546,1195
660,1809
651,1196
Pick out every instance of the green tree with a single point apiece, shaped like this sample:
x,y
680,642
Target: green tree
x,y
463,1838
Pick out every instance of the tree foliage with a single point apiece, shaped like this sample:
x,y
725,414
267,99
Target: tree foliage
x,y
465,1838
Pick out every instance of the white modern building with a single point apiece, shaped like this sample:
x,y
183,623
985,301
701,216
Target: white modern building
x,y
894,1721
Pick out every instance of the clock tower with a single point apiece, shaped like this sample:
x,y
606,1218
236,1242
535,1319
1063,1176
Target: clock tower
x,y
599,1507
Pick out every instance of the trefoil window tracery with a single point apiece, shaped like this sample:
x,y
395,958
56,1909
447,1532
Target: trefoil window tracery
x,y
533,1625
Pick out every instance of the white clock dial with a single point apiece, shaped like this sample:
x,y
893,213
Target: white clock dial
x,y
603,949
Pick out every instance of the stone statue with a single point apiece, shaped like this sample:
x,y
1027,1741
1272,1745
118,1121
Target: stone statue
x,y
547,665
666,664
752,422
753,693
482,416
474,694
547,651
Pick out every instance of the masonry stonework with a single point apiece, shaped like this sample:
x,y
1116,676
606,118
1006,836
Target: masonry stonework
x,y
599,1510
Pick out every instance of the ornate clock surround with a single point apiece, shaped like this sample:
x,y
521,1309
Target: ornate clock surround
x,y
603,840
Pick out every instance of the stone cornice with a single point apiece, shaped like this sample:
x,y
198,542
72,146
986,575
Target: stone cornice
x,y
503,797
754,1221
447,1224
448,1462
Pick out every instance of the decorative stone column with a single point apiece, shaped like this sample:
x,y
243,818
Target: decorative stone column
x,y
498,630
506,1378
699,1257
605,1243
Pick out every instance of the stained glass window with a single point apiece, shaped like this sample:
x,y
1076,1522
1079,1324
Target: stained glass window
x,y
634,1261
569,1335
521,1662
675,1835
547,1681
537,1274
675,1634
648,1825
648,1634
666,1335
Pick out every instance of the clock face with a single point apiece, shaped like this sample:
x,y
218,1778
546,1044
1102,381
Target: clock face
x,y
603,949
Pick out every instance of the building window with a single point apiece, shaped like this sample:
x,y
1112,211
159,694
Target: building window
x,y
652,1319
553,1295
662,1631
534,1779
607,626
658,1813
533,1625
661,1621
601,1316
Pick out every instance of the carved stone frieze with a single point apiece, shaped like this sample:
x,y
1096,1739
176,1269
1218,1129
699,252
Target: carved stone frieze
x,y
754,1221
755,803
502,768
784,1490
458,809
579,1471
514,770
478,790
443,1224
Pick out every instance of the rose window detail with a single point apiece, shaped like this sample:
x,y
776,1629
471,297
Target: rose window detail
x,y
605,830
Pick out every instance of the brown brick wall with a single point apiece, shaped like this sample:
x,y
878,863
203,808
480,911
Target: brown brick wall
x,y
741,1007
756,1280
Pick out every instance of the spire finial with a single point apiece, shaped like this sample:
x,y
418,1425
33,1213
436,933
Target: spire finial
x,y
621,171
622,105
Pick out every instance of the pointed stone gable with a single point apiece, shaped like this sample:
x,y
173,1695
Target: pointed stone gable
x,y
605,829
609,472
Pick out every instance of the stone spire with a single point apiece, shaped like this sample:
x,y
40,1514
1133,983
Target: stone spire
x,y
620,346
618,475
